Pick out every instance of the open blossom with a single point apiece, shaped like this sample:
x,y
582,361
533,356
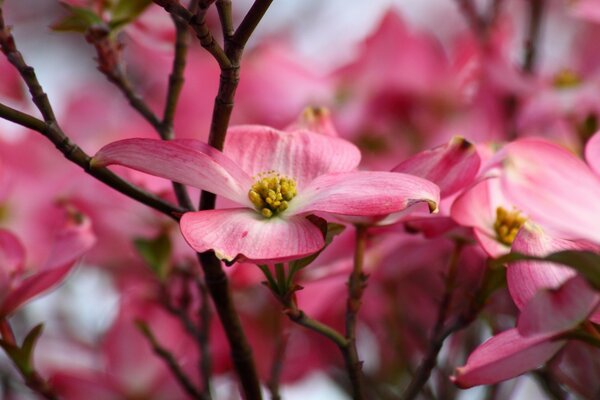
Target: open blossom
x,y
278,178
554,187
553,300
18,285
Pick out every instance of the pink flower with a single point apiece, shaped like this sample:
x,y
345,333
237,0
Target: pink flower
x,y
553,300
278,178
554,187
18,285
536,338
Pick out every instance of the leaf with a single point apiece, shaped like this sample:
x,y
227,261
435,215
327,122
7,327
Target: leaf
x,y
23,356
586,263
78,19
125,11
156,253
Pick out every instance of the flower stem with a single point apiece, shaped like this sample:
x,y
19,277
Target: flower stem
x,y
356,286
439,333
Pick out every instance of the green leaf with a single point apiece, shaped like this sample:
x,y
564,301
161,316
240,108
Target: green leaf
x,y
23,356
156,253
78,19
586,263
125,11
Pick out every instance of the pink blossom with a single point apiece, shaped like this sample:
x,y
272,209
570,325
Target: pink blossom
x,y
553,300
308,173
554,187
536,338
20,285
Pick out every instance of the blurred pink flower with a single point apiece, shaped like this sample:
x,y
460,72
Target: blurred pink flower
x,y
18,285
554,187
279,178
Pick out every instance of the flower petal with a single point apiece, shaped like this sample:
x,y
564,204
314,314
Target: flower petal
x,y
553,187
70,244
451,166
556,311
505,356
301,154
525,278
12,254
364,193
592,153
186,161
242,234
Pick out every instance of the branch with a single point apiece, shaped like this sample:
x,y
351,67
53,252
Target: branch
x,y
198,24
439,333
52,131
171,362
356,286
536,9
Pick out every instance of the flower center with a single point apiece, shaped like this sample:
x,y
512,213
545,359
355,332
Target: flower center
x,y
566,79
507,225
271,193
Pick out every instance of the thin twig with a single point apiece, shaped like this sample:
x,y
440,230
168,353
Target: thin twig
x,y
440,334
277,366
205,315
171,362
197,22
536,10
52,131
226,18
356,286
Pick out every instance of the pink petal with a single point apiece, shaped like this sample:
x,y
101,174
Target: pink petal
x,y
505,356
364,193
592,151
186,161
451,166
553,187
241,233
476,207
12,254
556,311
301,154
525,278
33,286
71,242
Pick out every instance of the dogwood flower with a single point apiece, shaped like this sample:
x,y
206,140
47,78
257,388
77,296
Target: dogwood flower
x,y
278,178
18,285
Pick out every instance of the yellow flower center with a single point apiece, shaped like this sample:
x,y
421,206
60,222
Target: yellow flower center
x,y
566,79
271,193
507,225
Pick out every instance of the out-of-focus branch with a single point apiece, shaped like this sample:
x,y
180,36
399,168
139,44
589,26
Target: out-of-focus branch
x,y
356,286
536,11
51,129
169,359
277,366
440,334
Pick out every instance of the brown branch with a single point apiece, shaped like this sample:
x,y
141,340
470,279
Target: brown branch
x,y
356,286
439,333
226,18
205,315
169,359
52,131
277,366
536,10
198,24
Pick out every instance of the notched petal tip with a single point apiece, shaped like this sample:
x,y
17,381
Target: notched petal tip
x,y
433,207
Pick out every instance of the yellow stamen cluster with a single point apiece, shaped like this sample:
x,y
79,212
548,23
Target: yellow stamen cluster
x,y
271,193
507,225
566,79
